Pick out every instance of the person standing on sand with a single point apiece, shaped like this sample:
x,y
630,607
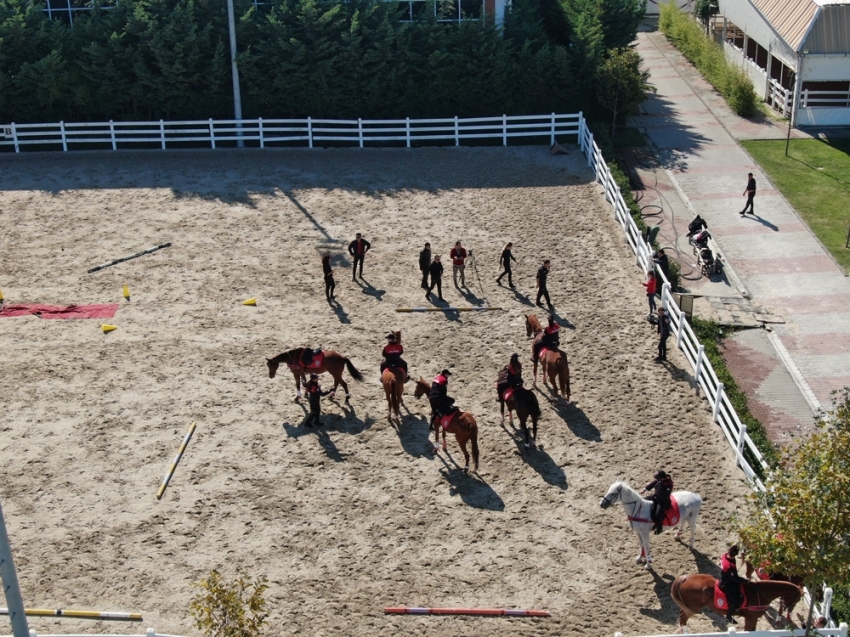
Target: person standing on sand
x,y
458,257
330,284
505,262
749,193
425,264
436,271
650,291
663,333
314,395
358,249
542,291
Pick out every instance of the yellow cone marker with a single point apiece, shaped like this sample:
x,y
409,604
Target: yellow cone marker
x,y
1,296
108,328
251,301
126,292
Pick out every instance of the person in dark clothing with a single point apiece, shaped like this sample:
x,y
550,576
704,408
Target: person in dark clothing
x,y
314,395
505,262
441,402
663,487
510,376
542,273
330,284
392,356
551,338
750,193
425,264
696,225
662,263
663,334
358,249
436,271
730,581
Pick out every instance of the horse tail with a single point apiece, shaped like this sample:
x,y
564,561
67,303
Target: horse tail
x,y
533,406
676,593
473,437
565,374
394,402
353,371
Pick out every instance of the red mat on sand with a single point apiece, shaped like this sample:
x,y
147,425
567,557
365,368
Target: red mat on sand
x,y
60,311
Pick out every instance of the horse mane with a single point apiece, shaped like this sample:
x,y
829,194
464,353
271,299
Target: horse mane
x,y
290,354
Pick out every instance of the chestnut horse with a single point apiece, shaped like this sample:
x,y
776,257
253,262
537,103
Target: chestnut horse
x,y
692,592
524,402
763,573
333,363
554,363
392,378
462,425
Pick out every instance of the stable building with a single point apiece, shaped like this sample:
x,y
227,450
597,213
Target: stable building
x,y
797,53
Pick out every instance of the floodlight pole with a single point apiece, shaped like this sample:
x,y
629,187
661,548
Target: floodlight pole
x,y
9,578
237,97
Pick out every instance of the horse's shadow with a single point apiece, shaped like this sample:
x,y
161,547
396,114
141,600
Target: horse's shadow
x,y
369,289
341,314
538,459
349,423
474,491
578,422
414,433
669,612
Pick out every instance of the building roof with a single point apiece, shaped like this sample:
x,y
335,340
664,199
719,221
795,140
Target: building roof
x,y
815,26
792,19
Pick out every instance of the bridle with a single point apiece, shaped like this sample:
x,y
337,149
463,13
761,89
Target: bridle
x,y
615,496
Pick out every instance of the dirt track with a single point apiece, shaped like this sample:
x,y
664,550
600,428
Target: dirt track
x,y
357,516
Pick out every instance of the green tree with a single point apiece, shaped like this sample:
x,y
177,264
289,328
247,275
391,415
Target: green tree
x,y
621,84
236,609
704,9
801,523
620,21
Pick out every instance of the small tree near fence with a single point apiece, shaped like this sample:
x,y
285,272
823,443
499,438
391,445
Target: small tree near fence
x,y
621,84
235,609
800,524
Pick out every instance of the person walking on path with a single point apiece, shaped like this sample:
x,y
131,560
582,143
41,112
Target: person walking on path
x,y
358,249
458,257
750,194
663,333
330,284
425,264
505,262
542,273
314,395
436,272
650,291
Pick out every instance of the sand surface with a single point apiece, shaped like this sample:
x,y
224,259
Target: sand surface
x,y
359,515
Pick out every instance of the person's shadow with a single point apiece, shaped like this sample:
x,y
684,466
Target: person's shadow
x,y
519,296
560,320
469,295
341,314
296,431
537,459
472,489
369,289
762,221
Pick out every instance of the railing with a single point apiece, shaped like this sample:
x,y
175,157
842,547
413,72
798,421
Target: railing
x,y
150,633
779,97
841,631
825,99
283,132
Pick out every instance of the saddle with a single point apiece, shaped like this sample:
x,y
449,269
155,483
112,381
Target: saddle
x,y
508,393
446,419
316,363
723,604
671,515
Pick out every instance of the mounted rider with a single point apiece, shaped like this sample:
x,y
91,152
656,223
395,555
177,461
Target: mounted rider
x,y
663,486
730,581
550,339
441,402
392,355
509,377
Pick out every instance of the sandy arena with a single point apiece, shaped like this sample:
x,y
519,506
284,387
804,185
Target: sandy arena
x,y
356,516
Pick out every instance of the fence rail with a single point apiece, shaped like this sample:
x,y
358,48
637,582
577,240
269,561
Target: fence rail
x,y
150,633
841,631
283,132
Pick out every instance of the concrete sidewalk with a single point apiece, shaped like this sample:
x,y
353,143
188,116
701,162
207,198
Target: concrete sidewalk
x,y
771,258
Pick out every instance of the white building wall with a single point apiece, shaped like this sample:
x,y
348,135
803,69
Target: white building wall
x,y
744,16
823,117
653,10
824,68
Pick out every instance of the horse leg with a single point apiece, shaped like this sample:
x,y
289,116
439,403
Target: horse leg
x,y
534,381
462,439
435,425
524,430
534,435
297,375
502,409
340,381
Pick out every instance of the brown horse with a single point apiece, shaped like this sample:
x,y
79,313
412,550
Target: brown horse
x,y
462,425
554,363
333,363
692,592
763,573
392,379
524,402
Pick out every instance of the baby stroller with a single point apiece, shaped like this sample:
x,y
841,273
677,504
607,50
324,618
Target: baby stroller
x,y
708,262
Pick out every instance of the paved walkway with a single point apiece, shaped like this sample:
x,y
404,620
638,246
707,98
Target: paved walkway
x,y
772,259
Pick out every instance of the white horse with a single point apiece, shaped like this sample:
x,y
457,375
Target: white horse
x,y
638,509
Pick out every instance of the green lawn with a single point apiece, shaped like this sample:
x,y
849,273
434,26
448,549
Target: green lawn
x,y
815,179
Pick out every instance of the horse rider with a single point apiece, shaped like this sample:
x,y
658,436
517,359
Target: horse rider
x,y
510,376
730,581
392,356
441,402
550,338
663,486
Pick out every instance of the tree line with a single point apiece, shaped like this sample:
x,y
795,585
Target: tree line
x,y
170,59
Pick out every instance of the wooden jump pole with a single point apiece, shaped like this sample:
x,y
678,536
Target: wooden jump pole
x,y
132,256
78,614
176,460
492,612
473,308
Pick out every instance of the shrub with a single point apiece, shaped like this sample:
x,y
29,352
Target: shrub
x,y
235,609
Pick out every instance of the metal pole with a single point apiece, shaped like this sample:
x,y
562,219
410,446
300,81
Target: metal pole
x,y
14,602
237,97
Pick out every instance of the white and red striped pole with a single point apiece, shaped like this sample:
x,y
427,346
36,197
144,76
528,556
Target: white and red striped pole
x,y
492,612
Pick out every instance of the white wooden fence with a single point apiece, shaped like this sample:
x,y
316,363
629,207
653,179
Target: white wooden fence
x,y
150,633
841,631
283,132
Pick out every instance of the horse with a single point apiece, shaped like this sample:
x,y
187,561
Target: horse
x,y
692,592
524,402
638,509
462,425
763,573
392,378
554,363
332,362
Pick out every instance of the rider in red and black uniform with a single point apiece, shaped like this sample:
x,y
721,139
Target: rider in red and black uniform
x,y
510,376
441,402
551,338
663,486
730,582
392,356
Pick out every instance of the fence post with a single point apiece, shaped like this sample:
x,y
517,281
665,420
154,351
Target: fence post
x,y
162,134
310,131
739,450
591,156
843,628
407,130
716,410
212,133
262,138
553,129
826,605
680,329
33,633
665,294
64,139
112,134
582,129
15,137
150,633
698,366
360,131
457,132
504,130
